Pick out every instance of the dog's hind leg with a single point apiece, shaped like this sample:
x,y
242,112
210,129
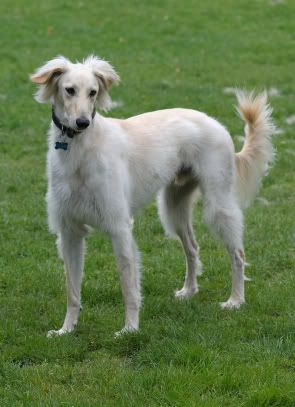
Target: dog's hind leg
x,y
127,257
193,266
72,250
224,216
175,208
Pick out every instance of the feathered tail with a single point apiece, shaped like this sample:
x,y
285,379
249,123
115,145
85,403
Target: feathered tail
x,y
253,161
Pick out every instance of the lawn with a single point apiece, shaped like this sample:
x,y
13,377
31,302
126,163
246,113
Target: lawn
x,y
191,353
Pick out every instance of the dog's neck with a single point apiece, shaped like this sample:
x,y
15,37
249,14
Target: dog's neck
x,y
64,129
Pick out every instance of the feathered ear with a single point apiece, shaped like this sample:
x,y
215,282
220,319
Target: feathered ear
x,y
47,77
106,76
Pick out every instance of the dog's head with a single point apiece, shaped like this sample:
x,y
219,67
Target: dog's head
x,y
75,89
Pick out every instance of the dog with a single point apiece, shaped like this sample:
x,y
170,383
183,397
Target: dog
x,y
101,171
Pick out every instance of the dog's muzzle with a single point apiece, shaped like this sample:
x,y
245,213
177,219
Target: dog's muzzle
x,y
82,124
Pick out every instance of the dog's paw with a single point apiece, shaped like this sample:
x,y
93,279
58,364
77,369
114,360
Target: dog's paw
x,y
126,330
186,293
59,332
232,304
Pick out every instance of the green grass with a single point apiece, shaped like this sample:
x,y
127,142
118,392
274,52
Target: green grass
x,y
191,353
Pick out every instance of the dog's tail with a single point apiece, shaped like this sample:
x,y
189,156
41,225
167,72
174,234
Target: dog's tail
x,y
253,161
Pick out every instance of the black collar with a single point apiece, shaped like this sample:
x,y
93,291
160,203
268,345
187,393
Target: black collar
x,y
64,129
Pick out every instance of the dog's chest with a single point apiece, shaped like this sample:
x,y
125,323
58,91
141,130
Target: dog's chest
x,y
79,193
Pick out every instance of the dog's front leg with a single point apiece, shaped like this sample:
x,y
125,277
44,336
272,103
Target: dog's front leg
x,y
127,257
72,248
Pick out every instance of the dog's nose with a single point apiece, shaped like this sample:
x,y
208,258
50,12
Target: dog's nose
x,y
82,122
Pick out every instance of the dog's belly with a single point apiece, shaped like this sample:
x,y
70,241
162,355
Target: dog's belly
x,y
155,169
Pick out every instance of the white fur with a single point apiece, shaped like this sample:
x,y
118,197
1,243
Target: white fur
x,y
115,167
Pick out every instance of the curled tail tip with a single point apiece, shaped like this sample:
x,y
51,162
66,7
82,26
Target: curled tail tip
x,y
245,97
254,109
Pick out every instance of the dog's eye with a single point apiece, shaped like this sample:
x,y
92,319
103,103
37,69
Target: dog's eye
x,y
92,93
70,91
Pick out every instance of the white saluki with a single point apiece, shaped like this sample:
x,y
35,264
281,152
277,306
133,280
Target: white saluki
x,y
102,170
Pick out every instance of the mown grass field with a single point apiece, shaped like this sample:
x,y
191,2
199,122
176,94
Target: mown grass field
x,y
190,353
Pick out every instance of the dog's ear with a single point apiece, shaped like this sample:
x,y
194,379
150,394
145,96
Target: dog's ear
x,y
47,77
106,77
